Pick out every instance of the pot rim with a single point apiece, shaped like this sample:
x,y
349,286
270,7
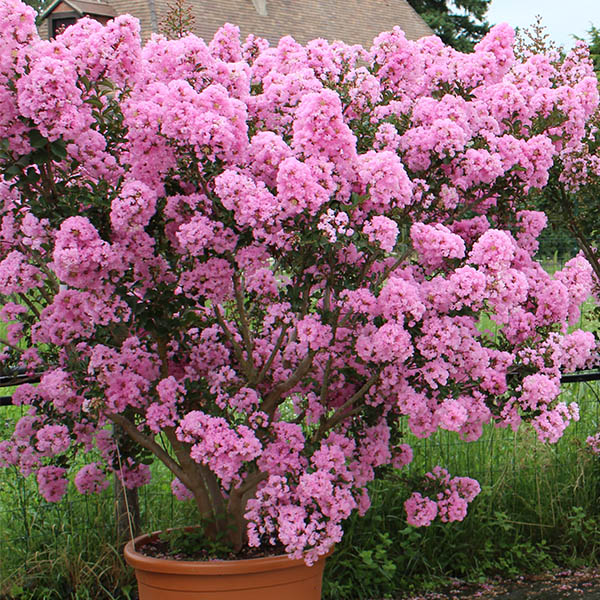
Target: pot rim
x,y
210,567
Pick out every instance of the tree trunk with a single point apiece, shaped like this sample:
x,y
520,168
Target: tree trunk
x,y
127,512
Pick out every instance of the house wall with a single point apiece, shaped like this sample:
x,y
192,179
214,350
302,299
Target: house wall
x,y
144,10
43,29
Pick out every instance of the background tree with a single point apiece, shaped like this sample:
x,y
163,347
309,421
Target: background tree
x,y
37,4
593,42
462,29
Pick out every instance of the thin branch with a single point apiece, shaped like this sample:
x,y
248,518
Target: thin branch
x,y
47,180
334,328
327,298
245,329
263,372
575,229
146,442
38,260
342,412
161,345
32,307
237,349
47,296
204,184
12,346
325,382
388,270
271,400
53,280
305,301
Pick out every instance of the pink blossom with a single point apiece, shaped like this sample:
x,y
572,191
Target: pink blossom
x,y
133,208
385,178
420,511
435,243
52,483
16,275
180,491
218,446
53,439
133,475
494,250
91,479
382,231
81,257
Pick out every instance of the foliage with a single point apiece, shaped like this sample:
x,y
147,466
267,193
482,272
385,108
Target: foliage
x,y
459,24
535,39
258,263
593,42
38,5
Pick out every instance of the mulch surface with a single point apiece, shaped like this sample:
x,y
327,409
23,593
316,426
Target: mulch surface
x,y
559,585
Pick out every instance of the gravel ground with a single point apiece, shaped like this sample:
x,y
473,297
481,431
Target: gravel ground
x,y
559,585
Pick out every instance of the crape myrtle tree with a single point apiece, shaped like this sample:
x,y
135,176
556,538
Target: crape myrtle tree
x,y
261,262
459,23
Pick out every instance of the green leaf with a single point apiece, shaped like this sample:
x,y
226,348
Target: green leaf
x,y
36,139
59,149
94,101
32,175
12,171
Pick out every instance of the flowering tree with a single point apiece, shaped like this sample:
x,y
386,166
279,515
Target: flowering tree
x,y
258,262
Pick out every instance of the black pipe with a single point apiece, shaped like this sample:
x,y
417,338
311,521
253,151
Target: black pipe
x,y
578,376
20,378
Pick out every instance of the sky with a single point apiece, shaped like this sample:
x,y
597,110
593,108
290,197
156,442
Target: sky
x,y
562,18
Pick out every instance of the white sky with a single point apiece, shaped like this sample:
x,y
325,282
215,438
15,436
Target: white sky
x,y
562,18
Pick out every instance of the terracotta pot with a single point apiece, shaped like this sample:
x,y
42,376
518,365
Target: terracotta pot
x,y
272,578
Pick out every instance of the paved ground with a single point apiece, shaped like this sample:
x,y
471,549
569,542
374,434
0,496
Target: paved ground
x,y
561,585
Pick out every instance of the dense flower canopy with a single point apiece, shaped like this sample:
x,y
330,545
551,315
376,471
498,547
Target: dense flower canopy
x,y
276,257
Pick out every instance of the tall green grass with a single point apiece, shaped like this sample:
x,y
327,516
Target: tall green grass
x,y
68,549
538,509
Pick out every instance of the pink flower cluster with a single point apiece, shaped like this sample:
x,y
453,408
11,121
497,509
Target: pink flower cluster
x,y
450,503
217,445
91,479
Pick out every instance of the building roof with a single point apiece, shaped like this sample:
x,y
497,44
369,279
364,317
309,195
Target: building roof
x,y
81,8
352,21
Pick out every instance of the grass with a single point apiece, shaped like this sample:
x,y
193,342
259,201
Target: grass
x,y
68,550
538,508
